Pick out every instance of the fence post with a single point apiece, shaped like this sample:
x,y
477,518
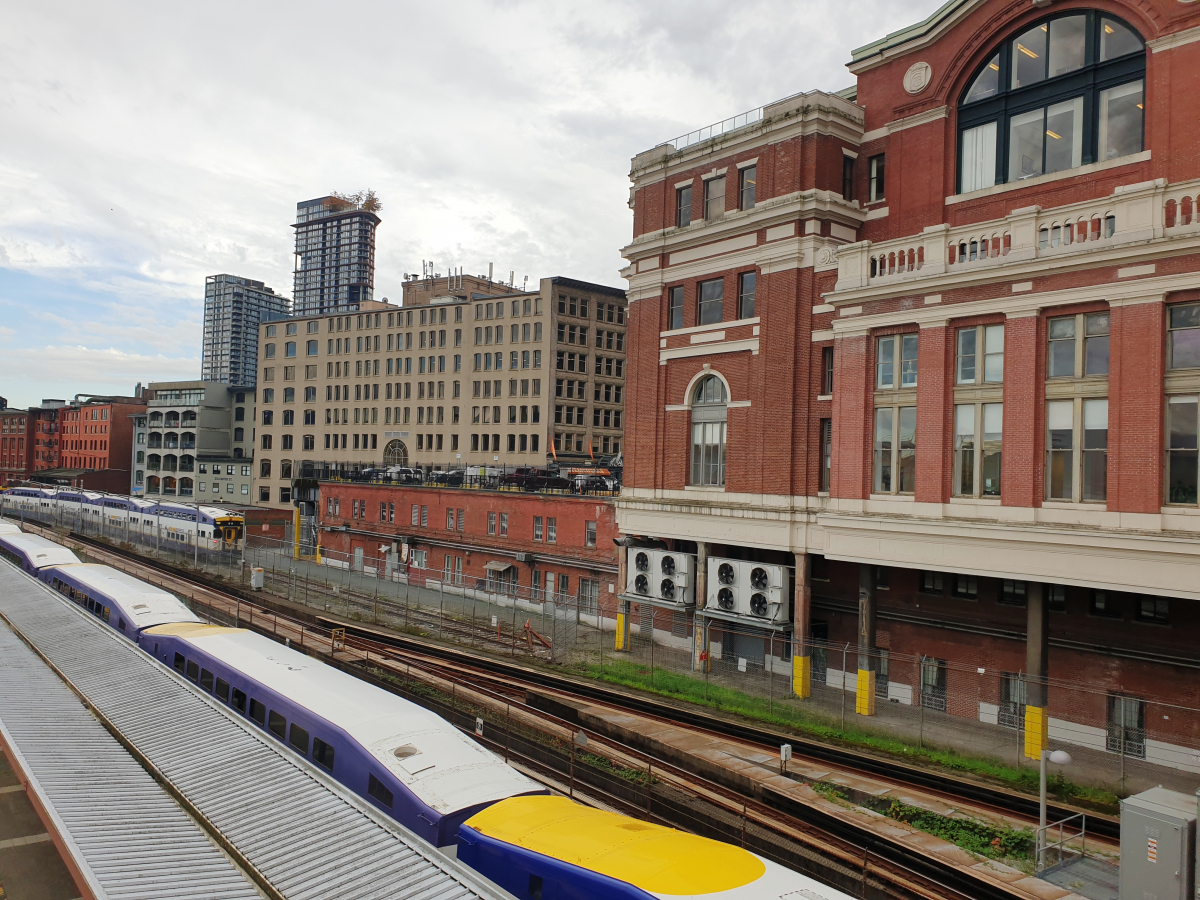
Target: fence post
x,y
771,676
921,700
845,651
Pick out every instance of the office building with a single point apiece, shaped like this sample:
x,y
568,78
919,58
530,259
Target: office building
x,y
473,373
233,309
335,256
194,439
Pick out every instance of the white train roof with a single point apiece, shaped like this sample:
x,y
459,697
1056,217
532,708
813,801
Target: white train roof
x,y
7,527
41,552
443,767
143,604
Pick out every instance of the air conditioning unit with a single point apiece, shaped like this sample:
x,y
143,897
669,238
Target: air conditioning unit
x,y
753,590
641,570
675,577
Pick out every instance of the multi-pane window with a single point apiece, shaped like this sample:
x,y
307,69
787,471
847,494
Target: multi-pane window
x,y
897,351
1183,337
747,189
1077,449
895,449
826,454
537,528
683,206
1066,92
746,283
714,198
1182,450
675,308
1078,346
978,434
710,301
876,166
980,358
826,371
551,530
589,534
709,413
848,178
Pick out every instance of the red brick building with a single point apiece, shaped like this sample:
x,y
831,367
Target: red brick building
x,y
46,434
930,347
98,433
16,443
554,544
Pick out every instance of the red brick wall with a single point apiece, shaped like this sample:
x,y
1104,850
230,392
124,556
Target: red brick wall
x,y
1137,360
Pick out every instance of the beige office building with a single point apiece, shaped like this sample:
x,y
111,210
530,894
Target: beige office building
x,y
466,372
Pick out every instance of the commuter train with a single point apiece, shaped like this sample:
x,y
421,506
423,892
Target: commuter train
x,y
32,552
219,529
421,770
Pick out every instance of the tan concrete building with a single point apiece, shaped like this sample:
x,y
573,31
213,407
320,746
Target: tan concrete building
x,y
466,372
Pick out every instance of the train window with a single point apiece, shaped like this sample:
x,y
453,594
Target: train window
x,y
298,738
277,725
206,680
179,662
535,887
222,690
380,793
193,671
120,623
239,701
322,754
258,712
107,613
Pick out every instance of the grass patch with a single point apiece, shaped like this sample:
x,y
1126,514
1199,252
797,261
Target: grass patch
x,y
982,838
718,697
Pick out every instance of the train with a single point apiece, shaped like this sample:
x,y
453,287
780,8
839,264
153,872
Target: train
x,y
217,528
418,768
32,552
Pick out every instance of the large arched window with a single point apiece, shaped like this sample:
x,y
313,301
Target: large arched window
x,y
709,406
395,454
1068,91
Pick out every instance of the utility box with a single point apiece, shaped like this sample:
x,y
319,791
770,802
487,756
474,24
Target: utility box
x,y
256,578
1158,846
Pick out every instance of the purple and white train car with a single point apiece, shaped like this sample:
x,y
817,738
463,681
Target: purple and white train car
x,y
123,602
33,553
408,761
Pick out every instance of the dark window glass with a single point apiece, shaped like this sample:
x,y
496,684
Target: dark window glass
x,y
827,370
379,792
966,587
206,680
1154,609
239,700
683,206
875,193
847,178
322,754
535,887
749,187
298,738
258,712
222,690
1012,593
1106,603
675,308
121,624
277,724
986,84
179,662
826,453
1056,597
746,283
711,301
931,583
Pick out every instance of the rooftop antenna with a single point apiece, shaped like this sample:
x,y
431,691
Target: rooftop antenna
x,y
512,274
524,283
489,271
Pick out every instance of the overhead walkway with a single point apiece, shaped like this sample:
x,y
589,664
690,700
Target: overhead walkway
x,y
162,793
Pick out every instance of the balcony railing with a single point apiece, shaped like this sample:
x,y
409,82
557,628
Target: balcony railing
x,y
725,126
1132,214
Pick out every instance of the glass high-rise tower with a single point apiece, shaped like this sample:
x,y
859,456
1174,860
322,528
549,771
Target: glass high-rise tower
x,y
335,256
233,309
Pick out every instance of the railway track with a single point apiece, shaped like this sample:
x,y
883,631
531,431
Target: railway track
x,y
792,830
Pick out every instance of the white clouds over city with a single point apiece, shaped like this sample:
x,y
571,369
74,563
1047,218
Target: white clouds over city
x,y
150,145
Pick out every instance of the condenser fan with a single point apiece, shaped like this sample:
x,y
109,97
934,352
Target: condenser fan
x,y
725,573
641,584
642,562
725,599
758,605
667,589
668,565
758,579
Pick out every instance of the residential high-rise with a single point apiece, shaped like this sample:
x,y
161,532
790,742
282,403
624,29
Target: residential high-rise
x,y
233,309
335,254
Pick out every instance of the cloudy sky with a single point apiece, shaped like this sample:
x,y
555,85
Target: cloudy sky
x,y
147,145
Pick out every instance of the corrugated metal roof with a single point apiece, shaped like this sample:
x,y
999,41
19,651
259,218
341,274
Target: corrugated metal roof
x,y
307,836
128,837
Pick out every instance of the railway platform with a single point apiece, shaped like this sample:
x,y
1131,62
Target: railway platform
x,y
153,790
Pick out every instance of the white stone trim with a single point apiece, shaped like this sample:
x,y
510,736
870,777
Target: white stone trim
x,y
1178,39
921,118
707,337
846,151
1136,271
716,249
932,299
1008,186
879,212
777,232
750,344
715,173
824,335
745,163
683,184
713,326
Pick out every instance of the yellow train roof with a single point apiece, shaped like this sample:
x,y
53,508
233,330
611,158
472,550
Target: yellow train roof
x,y
653,858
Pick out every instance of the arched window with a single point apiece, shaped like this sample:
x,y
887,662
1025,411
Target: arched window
x,y
709,405
168,486
185,487
155,440
1063,93
395,454
152,484
154,462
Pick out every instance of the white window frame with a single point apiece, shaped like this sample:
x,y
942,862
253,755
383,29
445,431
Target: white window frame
x,y
980,448
1082,409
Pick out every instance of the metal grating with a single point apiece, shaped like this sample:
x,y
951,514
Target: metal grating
x,y
308,837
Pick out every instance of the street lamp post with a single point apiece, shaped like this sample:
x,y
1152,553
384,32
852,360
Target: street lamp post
x,y
1059,758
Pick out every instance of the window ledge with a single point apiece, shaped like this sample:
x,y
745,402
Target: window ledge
x,y
1009,186
976,501
705,488
904,498
1075,504
824,396
1182,510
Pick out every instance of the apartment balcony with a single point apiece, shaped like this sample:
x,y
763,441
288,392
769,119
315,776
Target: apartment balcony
x,y
1135,220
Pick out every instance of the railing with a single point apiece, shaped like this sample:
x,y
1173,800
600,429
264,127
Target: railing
x,y
1133,213
592,481
1062,847
725,126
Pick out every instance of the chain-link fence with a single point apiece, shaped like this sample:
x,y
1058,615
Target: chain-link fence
x,y
917,704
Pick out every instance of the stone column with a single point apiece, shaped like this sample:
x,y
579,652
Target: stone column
x,y
801,628
700,657
864,702
1037,652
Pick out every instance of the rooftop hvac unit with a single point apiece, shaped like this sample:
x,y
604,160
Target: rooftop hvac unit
x,y
675,578
641,567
